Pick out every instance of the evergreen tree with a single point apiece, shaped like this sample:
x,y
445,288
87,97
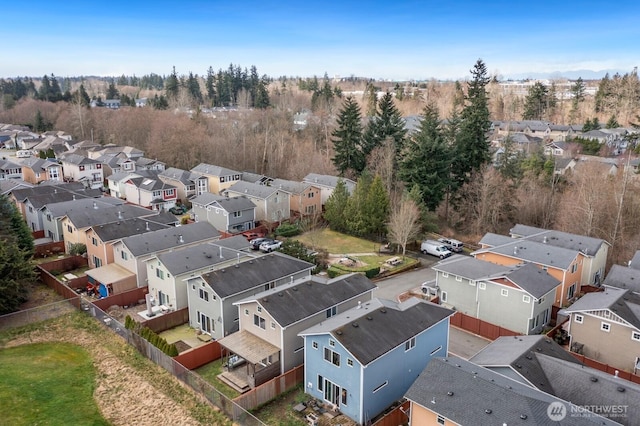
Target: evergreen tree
x,y
211,86
471,150
387,123
347,139
172,85
612,123
193,87
112,91
376,209
336,206
603,93
426,162
536,103
262,96
372,100
45,89
578,91
83,96
55,93
357,208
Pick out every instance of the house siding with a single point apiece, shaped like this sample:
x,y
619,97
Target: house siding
x,y
51,226
421,416
615,347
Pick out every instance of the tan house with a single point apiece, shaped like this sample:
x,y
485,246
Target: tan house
x,y
305,198
605,326
37,170
219,178
77,168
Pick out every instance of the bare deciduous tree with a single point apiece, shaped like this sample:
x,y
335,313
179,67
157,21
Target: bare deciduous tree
x,y
404,224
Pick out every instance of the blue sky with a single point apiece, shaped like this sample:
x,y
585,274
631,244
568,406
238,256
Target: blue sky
x,y
378,39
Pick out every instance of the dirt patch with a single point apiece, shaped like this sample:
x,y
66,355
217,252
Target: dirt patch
x,y
182,346
348,261
39,294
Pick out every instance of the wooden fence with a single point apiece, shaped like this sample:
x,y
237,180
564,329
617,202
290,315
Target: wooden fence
x,y
480,327
126,298
197,357
271,389
169,320
606,368
395,417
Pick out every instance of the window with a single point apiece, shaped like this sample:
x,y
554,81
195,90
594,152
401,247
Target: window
x,y
445,275
380,387
81,168
605,327
574,268
314,345
273,325
159,273
571,291
410,344
635,336
258,321
435,351
221,179
443,296
320,382
204,295
350,361
311,194
331,312
504,292
343,398
156,194
459,279
49,217
526,298
246,312
482,286
124,255
332,357
94,241
578,319
440,420
332,343
69,229
237,214
472,282
259,308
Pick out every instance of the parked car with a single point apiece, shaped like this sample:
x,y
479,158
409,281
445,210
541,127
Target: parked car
x,y
453,245
252,235
178,210
271,245
435,248
255,243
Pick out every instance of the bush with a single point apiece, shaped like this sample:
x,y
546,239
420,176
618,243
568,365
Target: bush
x,y
287,230
368,271
77,249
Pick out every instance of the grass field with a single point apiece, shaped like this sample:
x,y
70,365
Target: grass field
x,y
210,373
48,384
337,243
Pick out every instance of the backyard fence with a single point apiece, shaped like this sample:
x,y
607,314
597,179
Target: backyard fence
x,y
479,327
271,389
41,313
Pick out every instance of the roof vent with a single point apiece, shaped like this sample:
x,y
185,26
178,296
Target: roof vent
x,y
528,357
120,215
369,317
295,289
523,416
180,239
383,310
450,393
339,332
280,294
265,299
208,255
146,226
594,379
488,411
95,205
544,240
355,324
518,366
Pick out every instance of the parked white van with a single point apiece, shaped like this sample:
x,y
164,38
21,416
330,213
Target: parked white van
x,y
435,248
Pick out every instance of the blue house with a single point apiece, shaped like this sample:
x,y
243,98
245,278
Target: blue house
x,y
363,360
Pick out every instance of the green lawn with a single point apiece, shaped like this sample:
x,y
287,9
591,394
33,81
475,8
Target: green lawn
x,y
210,372
48,384
337,243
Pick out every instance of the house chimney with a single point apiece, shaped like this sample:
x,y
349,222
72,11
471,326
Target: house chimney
x,y
221,256
120,215
95,205
180,239
146,226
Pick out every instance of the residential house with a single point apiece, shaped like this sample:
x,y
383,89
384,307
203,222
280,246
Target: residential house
x,y
541,363
563,165
141,102
20,193
150,193
100,238
76,222
517,297
9,185
624,277
132,252
116,163
116,182
561,132
635,260
327,184
272,204
10,170
236,214
152,164
605,326
33,204
168,272
363,360
51,143
112,149
53,212
270,322
77,168
36,170
220,178
188,184
592,251
212,295
452,391
305,198
556,149
256,178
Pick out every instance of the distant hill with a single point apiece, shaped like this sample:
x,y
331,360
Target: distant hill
x,y
570,75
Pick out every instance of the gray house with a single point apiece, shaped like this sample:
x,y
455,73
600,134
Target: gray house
x,y
236,214
272,204
188,184
518,298
132,252
270,322
327,184
212,295
52,213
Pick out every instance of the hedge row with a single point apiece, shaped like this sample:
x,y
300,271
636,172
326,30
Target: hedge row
x,y
151,336
368,271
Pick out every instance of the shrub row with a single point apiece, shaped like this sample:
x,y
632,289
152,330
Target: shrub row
x,y
287,230
151,336
368,271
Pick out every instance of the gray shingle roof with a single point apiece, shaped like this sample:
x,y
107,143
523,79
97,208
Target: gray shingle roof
x,y
90,217
635,261
490,239
381,326
41,190
623,303
59,209
186,177
290,186
255,178
253,273
531,251
468,394
116,230
326,180
310,297
205,199
150,184
11,185
519,353
533,280
470,267
211,170
586,245
199,256
623,277
78,159
164,239
252,189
